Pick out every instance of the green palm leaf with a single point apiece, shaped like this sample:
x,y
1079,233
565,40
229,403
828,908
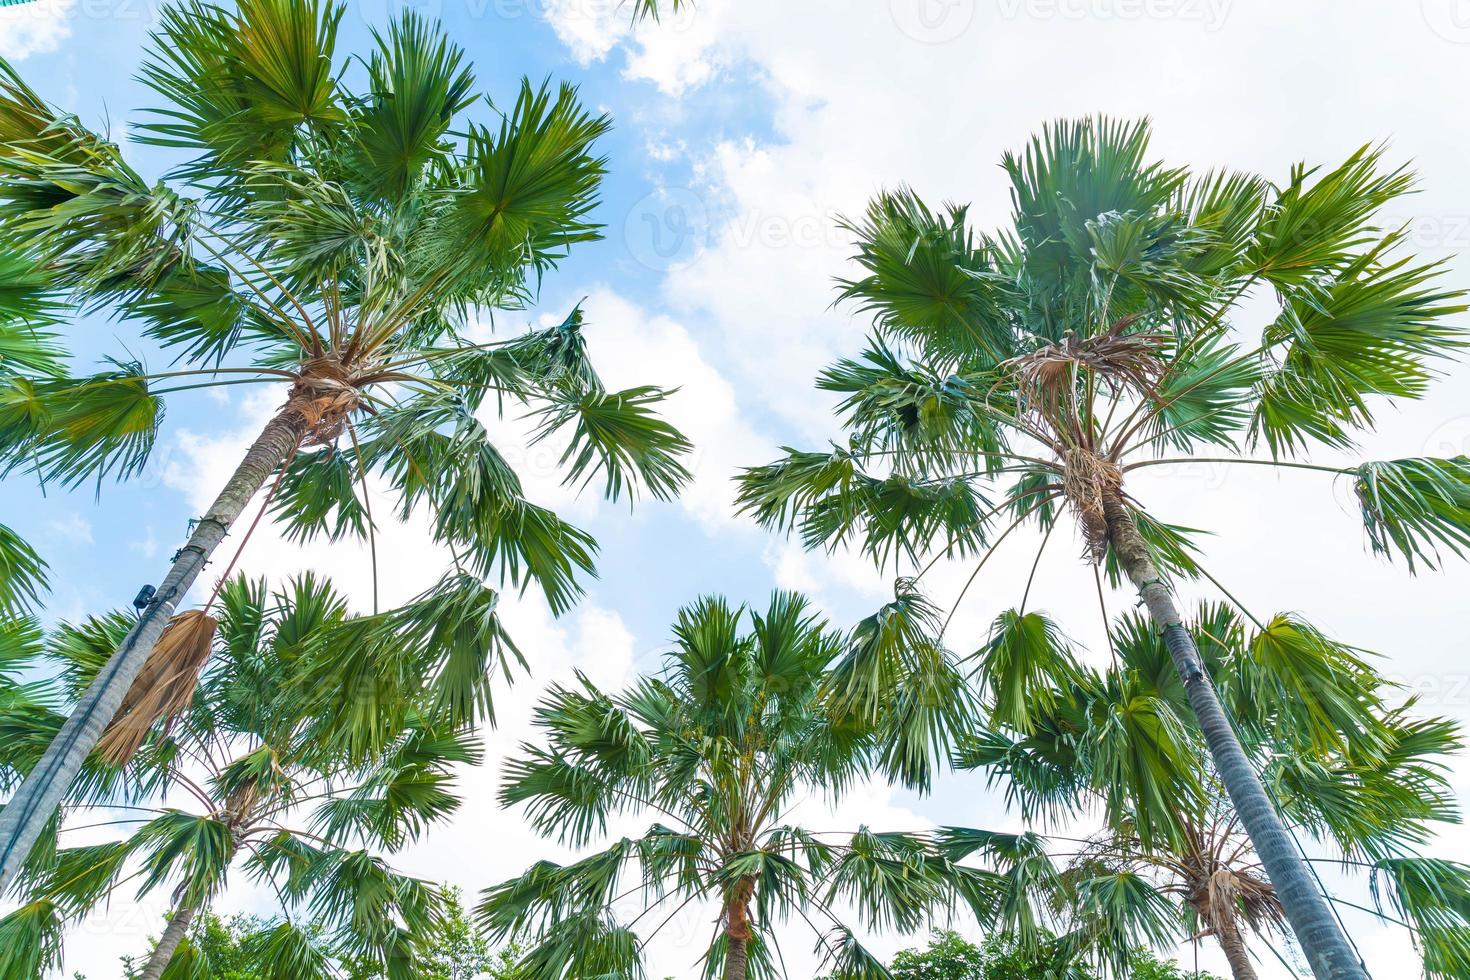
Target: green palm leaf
x,y
1415,506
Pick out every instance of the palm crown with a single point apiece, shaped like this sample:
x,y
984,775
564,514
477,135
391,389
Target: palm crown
x,y
1019,376
243,777
1172,850
336,243
718,748
1097,336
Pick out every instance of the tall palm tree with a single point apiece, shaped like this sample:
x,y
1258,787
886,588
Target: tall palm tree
x,y
1364,782
251,777
334,242
717,749
1042,365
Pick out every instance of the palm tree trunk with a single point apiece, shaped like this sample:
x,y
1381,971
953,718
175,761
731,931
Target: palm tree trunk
x,y
168,944
737,951
29,810
1326,947
1236,954
737,930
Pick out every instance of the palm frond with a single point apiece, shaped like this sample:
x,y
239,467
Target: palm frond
x,y
522,197
73,430
22,575
288,952
244,85
1415,506
928,279
618,434
1020,667
30,939
1435,896
418,85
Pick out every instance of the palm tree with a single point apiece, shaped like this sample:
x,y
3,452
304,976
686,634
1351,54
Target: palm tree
x,y
1367,783
1040,366
251,777
717,749
333,242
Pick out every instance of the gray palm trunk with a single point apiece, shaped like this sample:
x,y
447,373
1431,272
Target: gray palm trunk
x,y
28,812
168,943
737,951
1317,930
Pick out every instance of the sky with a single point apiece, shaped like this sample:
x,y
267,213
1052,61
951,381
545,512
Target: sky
x,y
744,129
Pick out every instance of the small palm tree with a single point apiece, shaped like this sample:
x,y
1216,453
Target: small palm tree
x,y
1014,373
1172,859
249,778
718,749
332,242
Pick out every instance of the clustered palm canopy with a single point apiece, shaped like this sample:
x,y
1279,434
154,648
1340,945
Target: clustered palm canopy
x,y
1013,372
250,778
719,748
1017,378
1363,782
335,239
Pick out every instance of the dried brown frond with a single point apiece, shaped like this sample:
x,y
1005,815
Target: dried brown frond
x,y
326,393
1230,897
1086,479
163,688
1119,360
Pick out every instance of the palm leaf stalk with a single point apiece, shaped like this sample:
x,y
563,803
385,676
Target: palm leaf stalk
x,y
1015,376
717,749
1367,782
251,778
336,243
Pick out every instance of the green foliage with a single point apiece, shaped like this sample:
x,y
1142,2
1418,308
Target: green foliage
x,y
22,575
1103,329
324,240
1414,506
949,956
248,947
739,725
279,792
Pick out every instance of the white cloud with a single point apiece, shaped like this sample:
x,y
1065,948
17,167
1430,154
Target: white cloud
x,y
633,346
589,28
35,27
72,528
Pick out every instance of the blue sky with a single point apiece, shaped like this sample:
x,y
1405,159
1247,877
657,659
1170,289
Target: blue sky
x,y
742,129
